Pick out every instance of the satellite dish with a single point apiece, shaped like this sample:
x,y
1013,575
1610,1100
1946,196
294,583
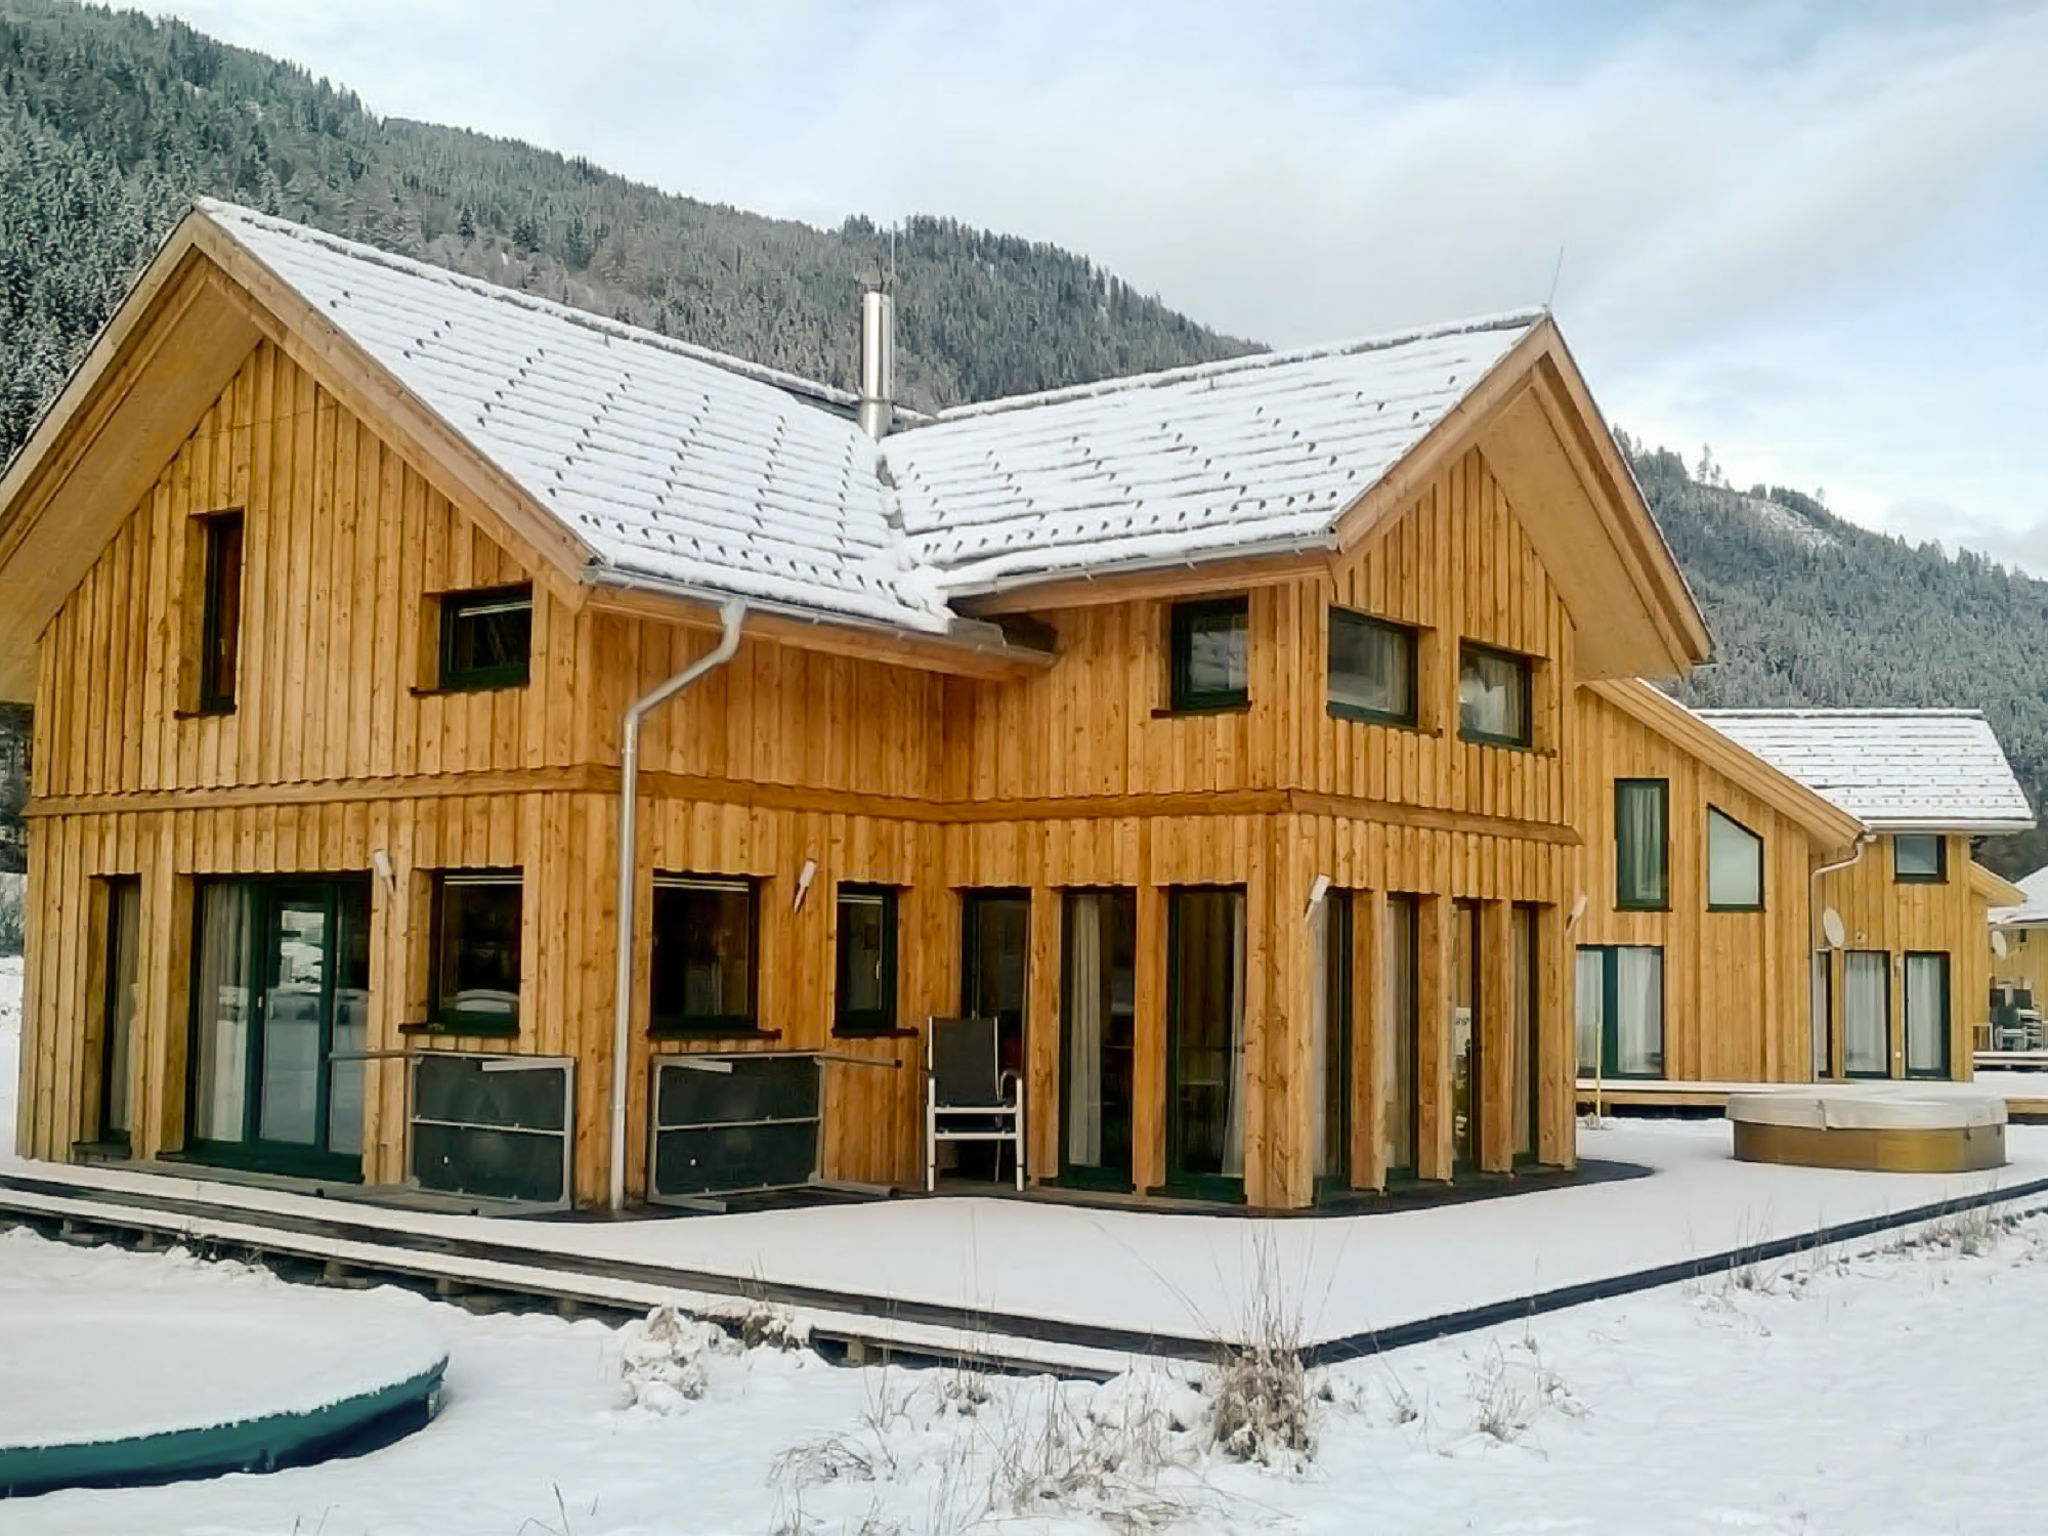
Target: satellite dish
x,y
1998,945
1832,927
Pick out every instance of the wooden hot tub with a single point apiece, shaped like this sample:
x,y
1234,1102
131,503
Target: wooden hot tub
x,y
1881,1127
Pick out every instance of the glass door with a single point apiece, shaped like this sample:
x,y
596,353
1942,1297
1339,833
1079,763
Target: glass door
x,y
1621,1010
1526,990
1333,1043
1465,1026
1098,1022
1400,1023
995,956
1205,1040
1927,1020
117,1018
1822,1005
282,990
1866,1013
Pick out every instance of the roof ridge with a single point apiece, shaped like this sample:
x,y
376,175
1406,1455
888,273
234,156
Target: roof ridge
x,y
1219,367
235,213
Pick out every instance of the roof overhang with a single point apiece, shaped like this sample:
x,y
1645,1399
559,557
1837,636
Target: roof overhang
x,y
1994,887
1826,823
1950,826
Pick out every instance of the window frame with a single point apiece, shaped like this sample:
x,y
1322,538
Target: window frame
x,y
707,1026
1940,874
1608,1060
1183,698
211,698
1623,902
866,1022
455,606
443,1017
1755,837
1945,992
1339,709
1525,671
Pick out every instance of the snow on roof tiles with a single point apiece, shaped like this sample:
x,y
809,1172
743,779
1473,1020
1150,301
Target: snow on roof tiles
x,y
1893,769
1248,453
678,465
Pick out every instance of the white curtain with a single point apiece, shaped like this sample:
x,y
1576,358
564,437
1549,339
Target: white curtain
x,y
1639,841
1926,1014
1592,1006
1084,1033
1639,1011
1865,1002
221,1052
1233,1126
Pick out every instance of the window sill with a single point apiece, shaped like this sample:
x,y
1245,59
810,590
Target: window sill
x,y
211,712
842,1032
1712,908
460,1027
1366,717
1919,879
697,1036
1227,707
1643,906
455,690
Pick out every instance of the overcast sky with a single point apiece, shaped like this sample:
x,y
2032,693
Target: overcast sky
x,y
1813,236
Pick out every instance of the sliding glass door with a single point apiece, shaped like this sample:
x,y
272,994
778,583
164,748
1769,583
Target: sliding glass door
x,y
1866,1013
1465,1035
1525,988
1098,1014
120,1004
1927,1017
1621,1010
1205,1040
1822,1015
279,1019
995,928
1333,1028
1400,1023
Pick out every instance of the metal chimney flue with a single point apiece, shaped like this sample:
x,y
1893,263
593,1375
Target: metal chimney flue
x,y
877,362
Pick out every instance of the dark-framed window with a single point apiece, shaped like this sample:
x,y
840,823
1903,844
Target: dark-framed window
x,y
1919,858
220,622
705,957
486,638
1495,703
864,1001
1211,644
1621,1010
1735,865
1372,668
120,1005
474,986
1866,1013
1926,1012
1642,851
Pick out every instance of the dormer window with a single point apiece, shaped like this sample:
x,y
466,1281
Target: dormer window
x,y
486,638
1211,655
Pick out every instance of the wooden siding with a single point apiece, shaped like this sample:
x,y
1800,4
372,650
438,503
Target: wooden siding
x,y
878,773
1947,917
1735,983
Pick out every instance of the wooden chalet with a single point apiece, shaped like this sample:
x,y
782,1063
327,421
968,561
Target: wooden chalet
x,y
2019,962
1785,895
1212,730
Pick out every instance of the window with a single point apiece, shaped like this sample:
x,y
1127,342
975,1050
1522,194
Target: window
x,y
1641,863
486,638
1621,1010
1098,1023
1735,865
1372,669
117,1016
1493,696
1926,1007
1205,1043
703,962
1400,1085
476,952
1525,987
1919,858
1333,1030
1211,654
221,614
1866,1013
866,998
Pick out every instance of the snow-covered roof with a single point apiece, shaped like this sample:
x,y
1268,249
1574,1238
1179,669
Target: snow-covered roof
x,y
675,465
2033,911
669,462
1893,769
1252,453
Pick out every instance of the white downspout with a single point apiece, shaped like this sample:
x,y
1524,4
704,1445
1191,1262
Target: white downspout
x,y
731,615
1863,841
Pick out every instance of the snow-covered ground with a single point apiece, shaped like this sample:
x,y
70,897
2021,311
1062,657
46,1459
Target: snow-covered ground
x,y
1888,1388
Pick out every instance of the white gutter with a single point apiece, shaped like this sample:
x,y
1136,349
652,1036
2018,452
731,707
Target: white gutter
x,y
731,614
991,586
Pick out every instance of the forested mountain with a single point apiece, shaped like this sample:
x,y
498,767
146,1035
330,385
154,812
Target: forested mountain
x,y
109,124
1808,609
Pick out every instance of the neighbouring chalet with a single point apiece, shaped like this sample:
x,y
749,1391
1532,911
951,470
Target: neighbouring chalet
x,y
2019,967
1213,730
1695,943
1897,970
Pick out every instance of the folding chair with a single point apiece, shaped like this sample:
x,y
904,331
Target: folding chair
x,y
966,1096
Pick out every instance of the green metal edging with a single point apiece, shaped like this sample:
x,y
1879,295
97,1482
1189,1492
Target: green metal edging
x,y
244,1445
